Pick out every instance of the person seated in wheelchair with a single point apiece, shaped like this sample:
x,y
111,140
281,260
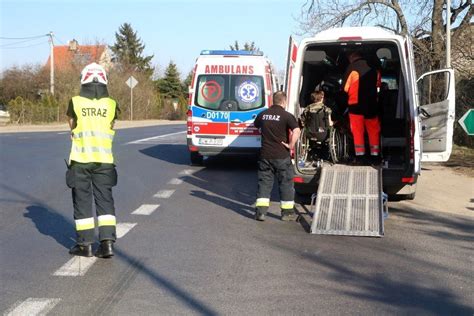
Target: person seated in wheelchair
x,y
316,118
317,122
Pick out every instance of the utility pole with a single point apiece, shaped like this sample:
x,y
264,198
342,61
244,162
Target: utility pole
x,y
51,64
448,33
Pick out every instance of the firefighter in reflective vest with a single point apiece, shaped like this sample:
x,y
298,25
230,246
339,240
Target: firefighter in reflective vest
x,y
275,124
360,83
91,171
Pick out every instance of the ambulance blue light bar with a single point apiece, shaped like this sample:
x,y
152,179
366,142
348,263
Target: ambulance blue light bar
x,y
232,52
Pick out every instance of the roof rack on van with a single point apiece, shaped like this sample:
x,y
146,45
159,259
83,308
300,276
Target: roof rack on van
x,y
232,52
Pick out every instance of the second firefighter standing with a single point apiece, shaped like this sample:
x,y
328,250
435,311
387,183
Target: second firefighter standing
x,y
276,124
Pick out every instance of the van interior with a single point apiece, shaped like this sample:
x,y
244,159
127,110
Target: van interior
x,y
324,68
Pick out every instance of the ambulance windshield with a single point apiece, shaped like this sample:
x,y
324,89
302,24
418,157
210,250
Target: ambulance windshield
x,y
230,92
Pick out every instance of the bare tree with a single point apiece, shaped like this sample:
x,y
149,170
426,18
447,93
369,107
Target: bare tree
x,y
248,46
423,19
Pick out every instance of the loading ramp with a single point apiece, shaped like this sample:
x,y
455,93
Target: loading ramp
x,y
349,202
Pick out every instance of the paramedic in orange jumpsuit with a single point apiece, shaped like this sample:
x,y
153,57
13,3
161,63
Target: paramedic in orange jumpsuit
x,y
360,83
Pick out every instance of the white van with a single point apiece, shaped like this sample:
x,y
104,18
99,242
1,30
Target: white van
x,y
417,114
228,90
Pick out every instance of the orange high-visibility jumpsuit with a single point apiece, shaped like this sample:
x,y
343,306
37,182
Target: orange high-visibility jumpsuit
x,y
361,82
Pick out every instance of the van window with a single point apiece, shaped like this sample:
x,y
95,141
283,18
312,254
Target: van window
x,y
245,91
434,88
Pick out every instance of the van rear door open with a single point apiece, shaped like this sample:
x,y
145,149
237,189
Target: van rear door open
x,y
291,92
436,96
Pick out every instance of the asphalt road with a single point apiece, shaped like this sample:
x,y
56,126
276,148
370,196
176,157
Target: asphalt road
x,y
201,252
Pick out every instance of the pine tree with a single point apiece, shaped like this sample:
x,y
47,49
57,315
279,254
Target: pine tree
x,y
248,46
128,50
170,86
187,83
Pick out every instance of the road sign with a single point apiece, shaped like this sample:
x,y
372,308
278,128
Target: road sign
x,y
131,82
467,122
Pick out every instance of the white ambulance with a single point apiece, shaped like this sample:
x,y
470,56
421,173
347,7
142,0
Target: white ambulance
x,y
417,113
228,90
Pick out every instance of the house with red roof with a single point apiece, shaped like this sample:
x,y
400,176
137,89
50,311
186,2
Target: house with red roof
x,y
74,56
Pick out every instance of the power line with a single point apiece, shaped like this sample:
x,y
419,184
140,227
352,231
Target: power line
x,y
58,39
18,47
19,42
23,38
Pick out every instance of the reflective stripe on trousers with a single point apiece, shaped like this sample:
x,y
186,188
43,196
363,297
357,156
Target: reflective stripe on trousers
x,y
85,223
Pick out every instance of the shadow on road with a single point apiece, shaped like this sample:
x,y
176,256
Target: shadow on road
x,y
172,153
401,292
52,224
231,183
447,227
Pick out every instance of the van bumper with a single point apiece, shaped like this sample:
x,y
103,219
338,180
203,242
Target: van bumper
x,y
392,184
224,151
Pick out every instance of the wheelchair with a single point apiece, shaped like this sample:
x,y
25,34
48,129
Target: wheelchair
x,y
332,144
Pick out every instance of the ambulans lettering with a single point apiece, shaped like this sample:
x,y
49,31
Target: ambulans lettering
x,y
94,112
229,69
269,117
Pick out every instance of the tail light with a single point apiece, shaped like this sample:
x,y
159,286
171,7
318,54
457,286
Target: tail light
x,y
189,122
298,180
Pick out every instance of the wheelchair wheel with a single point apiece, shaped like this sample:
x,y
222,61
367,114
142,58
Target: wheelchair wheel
x,y
302,147
339,144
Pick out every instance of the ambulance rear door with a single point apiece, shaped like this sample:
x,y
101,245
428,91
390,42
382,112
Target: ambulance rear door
x,y
252,94
210,123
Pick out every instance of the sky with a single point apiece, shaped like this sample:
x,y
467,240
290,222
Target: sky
x,y
171,30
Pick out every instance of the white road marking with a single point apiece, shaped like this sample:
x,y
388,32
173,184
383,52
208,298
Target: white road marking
x,y
164,194
138,141
33,306
124,228
186,172
78,266
62,133
176,181
146,209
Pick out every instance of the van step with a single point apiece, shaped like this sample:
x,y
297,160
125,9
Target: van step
x,y
349,202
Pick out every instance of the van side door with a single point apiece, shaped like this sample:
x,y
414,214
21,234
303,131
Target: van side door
x,y
436,97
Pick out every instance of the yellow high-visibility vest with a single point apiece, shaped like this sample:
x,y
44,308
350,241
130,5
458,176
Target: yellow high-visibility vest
x,y
93,134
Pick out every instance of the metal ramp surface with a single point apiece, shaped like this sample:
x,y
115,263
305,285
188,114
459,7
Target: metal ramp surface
x,y
349,202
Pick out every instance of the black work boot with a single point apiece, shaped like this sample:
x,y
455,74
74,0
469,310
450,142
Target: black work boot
x,y
259,215
106,249
288,215
81,250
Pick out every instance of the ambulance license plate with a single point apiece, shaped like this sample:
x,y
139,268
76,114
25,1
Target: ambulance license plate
x,y
210,141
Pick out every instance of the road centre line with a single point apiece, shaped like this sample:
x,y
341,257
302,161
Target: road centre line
x,y
33,306
164,194
78,266
124,228
138,141
176,181
146,209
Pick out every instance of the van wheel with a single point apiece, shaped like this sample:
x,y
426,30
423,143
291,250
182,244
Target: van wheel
x,y
196,159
